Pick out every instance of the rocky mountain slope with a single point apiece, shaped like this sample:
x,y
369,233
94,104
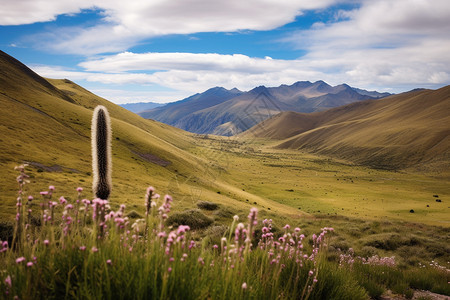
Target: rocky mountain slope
x,y
229,112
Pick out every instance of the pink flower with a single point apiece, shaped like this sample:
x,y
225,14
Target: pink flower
x,y
82,248
46,242
191,245
244,286
310,273
182,229
169,269
109,262
287,226
79,189
20,259
29,264
44,193
8,281
94,249
51,188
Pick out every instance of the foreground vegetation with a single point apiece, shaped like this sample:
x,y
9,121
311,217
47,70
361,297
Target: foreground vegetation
x,y
89,250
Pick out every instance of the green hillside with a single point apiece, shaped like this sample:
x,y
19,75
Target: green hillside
x,y
46,122
406,130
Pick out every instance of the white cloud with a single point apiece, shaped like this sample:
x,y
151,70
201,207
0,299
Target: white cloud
x,y
384,44
124,23
188,71
32,11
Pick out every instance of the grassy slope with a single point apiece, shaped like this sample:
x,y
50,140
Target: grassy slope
x,y
50,127
395,132
47,122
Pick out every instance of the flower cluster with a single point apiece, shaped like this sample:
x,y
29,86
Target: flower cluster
x,y
348,259
3,246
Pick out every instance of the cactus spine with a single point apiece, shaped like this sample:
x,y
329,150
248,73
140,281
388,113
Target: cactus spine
x,y
101,153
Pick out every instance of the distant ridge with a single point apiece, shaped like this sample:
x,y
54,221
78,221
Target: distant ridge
x,y
229,112
174,113
409,129
140,106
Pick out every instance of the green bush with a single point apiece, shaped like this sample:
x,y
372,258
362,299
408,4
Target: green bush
x,y
194,218
207,205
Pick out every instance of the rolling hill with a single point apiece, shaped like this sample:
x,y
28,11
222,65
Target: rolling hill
x,y
409,129
46,122
229,112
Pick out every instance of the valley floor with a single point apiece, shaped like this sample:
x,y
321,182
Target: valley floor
x,y
299,184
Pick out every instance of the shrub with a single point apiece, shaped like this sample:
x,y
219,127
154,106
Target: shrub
x,y
207,205
225,213
194,218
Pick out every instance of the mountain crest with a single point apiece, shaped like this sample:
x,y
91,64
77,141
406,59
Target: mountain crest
x,y
228,112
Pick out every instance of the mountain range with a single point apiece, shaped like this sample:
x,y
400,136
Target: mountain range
x,y
395,132
228,112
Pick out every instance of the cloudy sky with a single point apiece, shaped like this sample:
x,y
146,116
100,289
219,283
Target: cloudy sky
x,y
165,50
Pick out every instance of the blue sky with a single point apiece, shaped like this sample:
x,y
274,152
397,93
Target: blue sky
x,y
165,50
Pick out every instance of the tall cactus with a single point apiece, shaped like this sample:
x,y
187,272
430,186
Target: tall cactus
x,y
101,153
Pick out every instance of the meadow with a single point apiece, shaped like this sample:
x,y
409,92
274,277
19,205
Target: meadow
x,y
333,232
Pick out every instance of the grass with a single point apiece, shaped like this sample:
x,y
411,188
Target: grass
x,y
85,255
89,251
319,185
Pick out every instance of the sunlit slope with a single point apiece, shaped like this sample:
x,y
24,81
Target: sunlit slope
x,y
47,122
410,129
49,125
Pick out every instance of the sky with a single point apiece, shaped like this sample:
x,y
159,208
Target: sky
x,y
166,50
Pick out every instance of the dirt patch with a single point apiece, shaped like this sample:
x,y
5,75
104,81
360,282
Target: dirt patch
x,y
153,159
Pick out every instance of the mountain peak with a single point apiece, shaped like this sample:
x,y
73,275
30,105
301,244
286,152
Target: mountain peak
x,y
259,89
302,84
